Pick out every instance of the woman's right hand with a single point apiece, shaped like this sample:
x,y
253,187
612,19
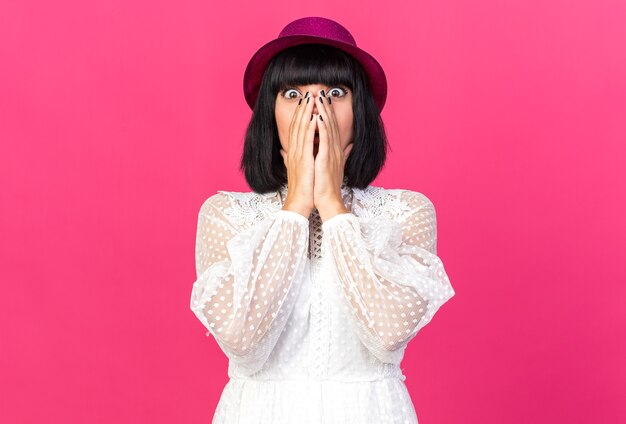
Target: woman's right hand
x,y
299,159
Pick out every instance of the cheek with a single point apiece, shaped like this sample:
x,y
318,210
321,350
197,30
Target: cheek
x,y
347,125
283,120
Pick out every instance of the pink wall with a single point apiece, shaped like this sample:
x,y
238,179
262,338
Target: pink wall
x,y
117,119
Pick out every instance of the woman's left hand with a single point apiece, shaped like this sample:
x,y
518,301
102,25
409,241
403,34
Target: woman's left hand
x,y
329,163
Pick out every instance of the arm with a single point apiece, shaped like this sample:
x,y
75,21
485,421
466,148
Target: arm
x,y
389,274
247,281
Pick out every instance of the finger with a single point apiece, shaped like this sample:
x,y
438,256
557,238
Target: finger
x,y
305,123
322,152
332,122
309,137
321,107
296,124
294,117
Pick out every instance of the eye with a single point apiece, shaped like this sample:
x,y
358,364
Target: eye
x,y
334,90
286,93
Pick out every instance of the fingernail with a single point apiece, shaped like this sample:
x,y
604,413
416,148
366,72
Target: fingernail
x,y
299,101
321,119
329,102
312,117
323,93
307,100
307,94
321,99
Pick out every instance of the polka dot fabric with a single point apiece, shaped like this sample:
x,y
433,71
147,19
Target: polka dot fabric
x,y
245,290
389,273
315,316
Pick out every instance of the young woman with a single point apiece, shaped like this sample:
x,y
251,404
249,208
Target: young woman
x,y
313,283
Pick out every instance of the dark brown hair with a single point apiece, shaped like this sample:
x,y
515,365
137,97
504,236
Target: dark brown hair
x,y
261,161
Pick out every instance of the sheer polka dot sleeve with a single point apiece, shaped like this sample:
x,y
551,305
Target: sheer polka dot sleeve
x,y
389,273
247,280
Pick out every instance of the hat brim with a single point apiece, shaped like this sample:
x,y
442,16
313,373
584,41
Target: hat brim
x,y
253,74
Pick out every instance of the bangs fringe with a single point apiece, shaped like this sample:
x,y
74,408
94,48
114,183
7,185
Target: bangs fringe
x,y
310,64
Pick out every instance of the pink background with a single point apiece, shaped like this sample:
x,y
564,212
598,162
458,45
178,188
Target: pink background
x,y
118,119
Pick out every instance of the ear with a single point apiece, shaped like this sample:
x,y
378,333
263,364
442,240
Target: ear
x,y
346,152
348,149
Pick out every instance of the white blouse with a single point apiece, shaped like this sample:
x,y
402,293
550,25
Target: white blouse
x,y
315,317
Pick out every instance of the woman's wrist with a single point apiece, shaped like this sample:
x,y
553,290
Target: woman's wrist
x,y
329,211
294,207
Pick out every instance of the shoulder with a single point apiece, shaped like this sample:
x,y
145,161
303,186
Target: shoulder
x,y
397,202
241,209
416,200
224,199
217,202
